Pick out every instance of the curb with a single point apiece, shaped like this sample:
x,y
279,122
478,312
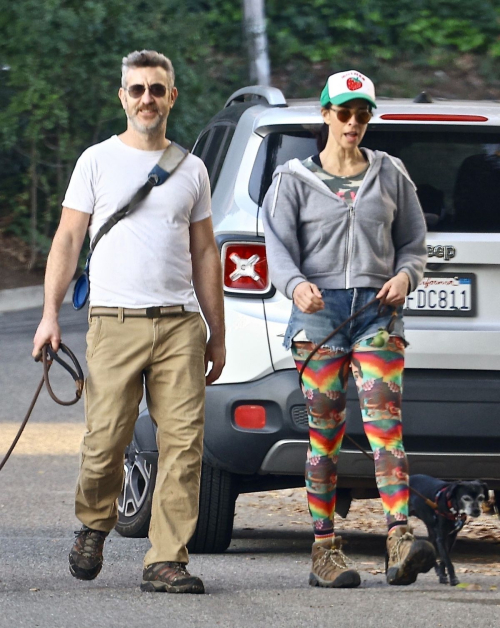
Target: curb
x,y
17,299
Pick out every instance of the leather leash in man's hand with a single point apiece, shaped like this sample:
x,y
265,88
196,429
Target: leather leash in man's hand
x,y
47,356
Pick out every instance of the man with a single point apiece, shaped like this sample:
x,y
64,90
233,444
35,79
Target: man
x,y
144,324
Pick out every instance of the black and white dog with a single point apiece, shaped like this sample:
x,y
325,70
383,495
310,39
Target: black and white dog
x,y
455,502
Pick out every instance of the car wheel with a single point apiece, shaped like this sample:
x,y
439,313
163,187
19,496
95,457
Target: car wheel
x,y
218,493
134,503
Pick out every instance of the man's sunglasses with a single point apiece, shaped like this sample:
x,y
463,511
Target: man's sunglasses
x,y
362,116
156,89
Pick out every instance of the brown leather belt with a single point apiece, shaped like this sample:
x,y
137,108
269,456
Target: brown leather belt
x,y
145,312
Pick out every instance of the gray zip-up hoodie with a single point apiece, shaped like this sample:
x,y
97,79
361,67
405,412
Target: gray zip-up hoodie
x,y
312,235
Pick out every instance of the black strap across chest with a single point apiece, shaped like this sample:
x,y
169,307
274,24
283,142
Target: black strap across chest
x,y
172,157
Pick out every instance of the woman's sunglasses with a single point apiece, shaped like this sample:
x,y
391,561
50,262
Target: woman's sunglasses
x,y
156,89
362,116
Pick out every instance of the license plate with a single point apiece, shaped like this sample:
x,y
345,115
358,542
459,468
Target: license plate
x,y
443,294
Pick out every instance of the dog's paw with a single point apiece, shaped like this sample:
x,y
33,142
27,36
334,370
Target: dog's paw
x,y
454,581
443,579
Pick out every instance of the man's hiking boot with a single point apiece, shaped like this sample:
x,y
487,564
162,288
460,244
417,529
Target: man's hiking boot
x,y
170,577
329,566
407,556
85,558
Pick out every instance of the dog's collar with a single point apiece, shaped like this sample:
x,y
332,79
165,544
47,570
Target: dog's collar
x,y
450,512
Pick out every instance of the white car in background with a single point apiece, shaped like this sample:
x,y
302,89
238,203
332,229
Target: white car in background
x,y
256,434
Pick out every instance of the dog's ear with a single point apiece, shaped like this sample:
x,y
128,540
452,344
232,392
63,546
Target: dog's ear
x,y
486,490
453,489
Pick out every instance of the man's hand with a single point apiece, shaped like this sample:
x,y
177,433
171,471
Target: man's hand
x,y
394,291
48,333
308,298
216,354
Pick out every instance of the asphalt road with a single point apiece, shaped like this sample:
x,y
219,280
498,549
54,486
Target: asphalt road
x,y
260,581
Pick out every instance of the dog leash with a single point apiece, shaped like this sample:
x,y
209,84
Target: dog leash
x,y
47,357
317,347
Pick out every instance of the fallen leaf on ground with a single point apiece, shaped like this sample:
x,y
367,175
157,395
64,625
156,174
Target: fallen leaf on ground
x,y
469,586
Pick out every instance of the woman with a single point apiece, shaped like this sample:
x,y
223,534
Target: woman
x,y
342,228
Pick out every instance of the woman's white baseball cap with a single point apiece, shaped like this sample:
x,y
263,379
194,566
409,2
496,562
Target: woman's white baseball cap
x,y
344,86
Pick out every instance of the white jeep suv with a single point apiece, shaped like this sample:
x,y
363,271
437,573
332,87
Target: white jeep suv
x,y
256,434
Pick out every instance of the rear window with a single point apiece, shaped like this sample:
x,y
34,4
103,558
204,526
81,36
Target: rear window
x,y
212,147
456,171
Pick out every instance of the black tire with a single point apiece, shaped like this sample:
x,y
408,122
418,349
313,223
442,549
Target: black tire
x,y
218,493
134,503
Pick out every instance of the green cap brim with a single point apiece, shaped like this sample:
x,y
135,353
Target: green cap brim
x,y
343,98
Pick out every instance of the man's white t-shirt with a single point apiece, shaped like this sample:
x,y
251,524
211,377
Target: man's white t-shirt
x,y
144,260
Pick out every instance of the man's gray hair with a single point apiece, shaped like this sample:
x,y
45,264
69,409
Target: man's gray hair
x,y
147,59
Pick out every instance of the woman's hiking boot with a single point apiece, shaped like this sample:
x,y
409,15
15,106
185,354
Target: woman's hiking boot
x,y
170,577
407,556
85,557
329,566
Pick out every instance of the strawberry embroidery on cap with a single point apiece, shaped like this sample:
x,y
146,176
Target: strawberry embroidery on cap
x,y
354,84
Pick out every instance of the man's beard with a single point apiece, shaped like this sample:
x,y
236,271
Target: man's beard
x,y
146,129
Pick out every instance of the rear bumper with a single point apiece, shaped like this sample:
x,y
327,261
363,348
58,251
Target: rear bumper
x,y
288,457
451,428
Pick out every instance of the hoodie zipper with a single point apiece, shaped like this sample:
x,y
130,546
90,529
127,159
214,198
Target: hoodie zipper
x,y
348,245
350,228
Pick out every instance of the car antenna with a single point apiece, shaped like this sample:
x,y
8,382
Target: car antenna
x,y
423,97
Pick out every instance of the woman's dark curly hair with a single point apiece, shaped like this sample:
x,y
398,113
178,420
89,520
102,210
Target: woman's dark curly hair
x,y
322,134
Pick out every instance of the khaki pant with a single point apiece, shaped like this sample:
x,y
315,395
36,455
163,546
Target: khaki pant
x,y
167,355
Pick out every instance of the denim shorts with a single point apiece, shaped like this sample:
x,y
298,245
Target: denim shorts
x,y
339,306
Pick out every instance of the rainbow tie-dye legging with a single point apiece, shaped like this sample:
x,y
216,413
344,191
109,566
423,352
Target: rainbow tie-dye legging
x,y
378,375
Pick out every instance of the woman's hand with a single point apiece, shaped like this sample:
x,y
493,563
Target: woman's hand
x,y
308,298
394,291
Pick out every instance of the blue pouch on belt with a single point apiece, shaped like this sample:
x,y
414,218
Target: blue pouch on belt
x,y
81,290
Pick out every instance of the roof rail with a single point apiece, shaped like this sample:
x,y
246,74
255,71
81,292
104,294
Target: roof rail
x,y
272,95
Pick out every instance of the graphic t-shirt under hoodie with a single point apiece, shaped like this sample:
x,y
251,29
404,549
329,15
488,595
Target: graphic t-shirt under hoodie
x,y
312,234
344,187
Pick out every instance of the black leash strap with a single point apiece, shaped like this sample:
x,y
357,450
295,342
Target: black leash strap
x,y
48,356
172,157
76,372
